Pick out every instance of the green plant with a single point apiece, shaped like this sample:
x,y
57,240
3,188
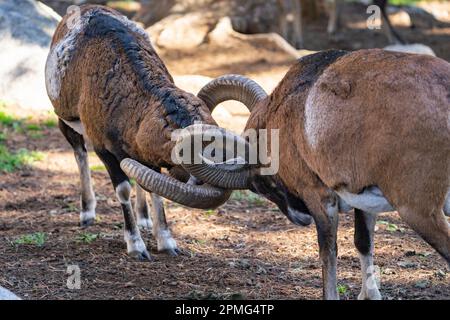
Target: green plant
x,y
402,2
98,167
12,161
37,239
33,127
391,227
50,123
6,119
200,242
248,196
71,207
342,289
209,212
36,135
87,237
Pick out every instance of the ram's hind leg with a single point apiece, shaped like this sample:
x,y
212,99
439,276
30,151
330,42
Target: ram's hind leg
x,y
135,245
160,228
142,211
364,233
88,202
431,224
422,207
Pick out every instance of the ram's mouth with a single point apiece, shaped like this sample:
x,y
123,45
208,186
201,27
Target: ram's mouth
x,y
299,218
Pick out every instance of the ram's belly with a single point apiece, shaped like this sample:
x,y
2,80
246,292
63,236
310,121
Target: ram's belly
x,y
370,200
75,125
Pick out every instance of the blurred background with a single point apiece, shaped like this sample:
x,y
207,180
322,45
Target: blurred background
x,y
198,39
246,248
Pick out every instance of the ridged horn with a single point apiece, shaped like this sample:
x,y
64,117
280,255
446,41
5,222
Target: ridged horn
x,y
225,174
232,87
194,196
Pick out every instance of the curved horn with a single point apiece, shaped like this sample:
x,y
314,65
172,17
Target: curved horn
x,y
226,174
232,87
201,197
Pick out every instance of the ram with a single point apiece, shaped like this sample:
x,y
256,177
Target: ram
x,y
108,85
368,129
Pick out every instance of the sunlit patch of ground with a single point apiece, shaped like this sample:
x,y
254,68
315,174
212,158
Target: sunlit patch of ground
x,y
245,249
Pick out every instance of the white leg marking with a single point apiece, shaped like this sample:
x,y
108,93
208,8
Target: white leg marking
x,y
330,271
88,201
123,191
132,236
371,200
370,275
142,210
134,242
87,215
145,223
369,290
160,228
165,241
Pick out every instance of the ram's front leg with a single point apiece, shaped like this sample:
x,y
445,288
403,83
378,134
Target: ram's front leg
x,y
135,245
161,229
326,224
142,211
364,233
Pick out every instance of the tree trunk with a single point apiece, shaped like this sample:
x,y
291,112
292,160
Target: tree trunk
x,y
153,10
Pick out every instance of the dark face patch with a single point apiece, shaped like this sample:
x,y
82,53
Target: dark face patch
x,y
154,79
293,207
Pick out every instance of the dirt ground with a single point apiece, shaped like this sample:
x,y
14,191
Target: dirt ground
x,y
245,249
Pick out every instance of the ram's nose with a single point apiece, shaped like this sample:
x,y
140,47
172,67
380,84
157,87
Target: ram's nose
x,y
299,218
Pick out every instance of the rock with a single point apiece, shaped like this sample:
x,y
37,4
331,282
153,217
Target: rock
x,y
26,29
185,31
400,18
5,294
224,32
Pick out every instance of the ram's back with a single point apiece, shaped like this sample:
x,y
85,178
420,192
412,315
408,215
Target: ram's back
x,y
98,60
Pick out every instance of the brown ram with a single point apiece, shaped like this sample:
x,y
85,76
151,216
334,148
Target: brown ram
x,y
368,130
107,84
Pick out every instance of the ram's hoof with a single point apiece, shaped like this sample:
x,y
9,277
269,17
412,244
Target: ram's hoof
x,y
87,223
173,252
141,256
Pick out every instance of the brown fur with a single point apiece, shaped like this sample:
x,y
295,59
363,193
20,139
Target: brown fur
x,y
118,113
381,119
